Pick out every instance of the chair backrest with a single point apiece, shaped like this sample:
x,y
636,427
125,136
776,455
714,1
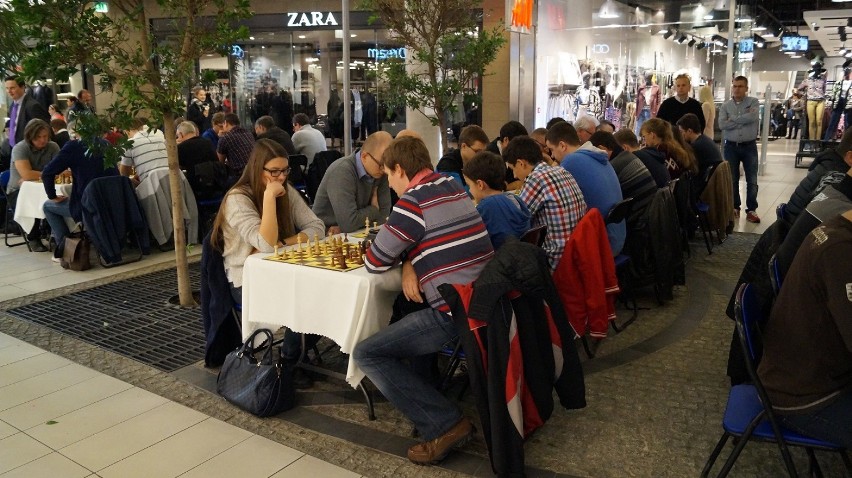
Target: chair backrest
x,y
4,180
775,274
299,161
781,211
316,171
619,211
535,235
747,312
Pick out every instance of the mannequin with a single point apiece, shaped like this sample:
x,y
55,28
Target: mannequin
x,y
814,85
841,105
647,101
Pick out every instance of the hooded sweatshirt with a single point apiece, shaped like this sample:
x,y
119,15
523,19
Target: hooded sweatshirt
x,y
504,215
599,184
655,161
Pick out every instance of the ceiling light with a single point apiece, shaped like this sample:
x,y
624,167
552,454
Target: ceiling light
x,y
701,45
608,10
691,42
668,34
848,54
842,50
716,50
758,29
353,35
301,36
251,38
847,64
681,39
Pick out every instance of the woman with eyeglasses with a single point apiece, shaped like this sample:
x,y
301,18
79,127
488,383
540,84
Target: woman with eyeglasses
x,y
260,211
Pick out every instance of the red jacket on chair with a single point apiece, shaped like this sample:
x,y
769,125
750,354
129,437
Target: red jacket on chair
x,y
585,277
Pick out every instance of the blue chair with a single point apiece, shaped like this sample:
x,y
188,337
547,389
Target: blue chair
x,y
775,274
618,213
702,209
781,211
749,414
10,213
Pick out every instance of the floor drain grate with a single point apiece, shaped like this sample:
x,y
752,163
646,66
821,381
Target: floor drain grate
x,y
131,317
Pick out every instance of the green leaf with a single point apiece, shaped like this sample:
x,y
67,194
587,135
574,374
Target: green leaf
x,y
51,422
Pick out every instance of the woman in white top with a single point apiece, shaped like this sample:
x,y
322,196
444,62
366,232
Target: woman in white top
x,y
261,211
708,107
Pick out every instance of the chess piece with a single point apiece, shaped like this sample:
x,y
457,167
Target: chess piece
x,y
375,224
339,260
299,241
367,223
276,250
345,237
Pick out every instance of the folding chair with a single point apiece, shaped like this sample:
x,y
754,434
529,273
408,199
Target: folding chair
x,y
618,213
10,215
775,274
749,414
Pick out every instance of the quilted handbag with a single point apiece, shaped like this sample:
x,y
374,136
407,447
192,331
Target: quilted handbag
x,y
263,386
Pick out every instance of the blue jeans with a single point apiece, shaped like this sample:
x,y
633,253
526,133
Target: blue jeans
x,y
745,153
832,423
381,358
55,213
644,115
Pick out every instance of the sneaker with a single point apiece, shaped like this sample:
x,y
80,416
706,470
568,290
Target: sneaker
x,y
57,260
737,213
433,451
752,216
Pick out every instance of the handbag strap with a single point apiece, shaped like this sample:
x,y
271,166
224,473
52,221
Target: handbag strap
x,y
266,345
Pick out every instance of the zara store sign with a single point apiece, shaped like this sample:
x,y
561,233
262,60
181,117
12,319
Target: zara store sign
x,y
311,19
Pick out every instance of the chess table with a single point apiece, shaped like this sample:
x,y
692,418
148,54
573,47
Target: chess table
x,y
346,307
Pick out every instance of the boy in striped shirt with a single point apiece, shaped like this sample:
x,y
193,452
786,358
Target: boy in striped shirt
x,y
435,230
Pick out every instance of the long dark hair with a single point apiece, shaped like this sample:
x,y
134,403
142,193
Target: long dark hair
x,y
251,185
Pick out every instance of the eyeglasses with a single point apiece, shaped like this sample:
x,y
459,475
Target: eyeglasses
x,y
278,172
379,164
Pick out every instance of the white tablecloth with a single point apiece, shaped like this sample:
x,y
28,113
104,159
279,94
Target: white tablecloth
x,y
31,198
346,307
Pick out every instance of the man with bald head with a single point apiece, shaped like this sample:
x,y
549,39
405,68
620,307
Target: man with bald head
x,y
355,188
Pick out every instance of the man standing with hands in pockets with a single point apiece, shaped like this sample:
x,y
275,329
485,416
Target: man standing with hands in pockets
x,y
738,120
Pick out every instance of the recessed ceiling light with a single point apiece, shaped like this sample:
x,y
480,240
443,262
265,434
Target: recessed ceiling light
x,y
353,35
251,38
301,36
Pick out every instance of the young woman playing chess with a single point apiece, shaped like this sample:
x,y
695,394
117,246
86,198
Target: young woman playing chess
x,y
262,210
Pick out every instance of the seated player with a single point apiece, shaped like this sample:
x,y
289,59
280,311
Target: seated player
x,y
807,353
550,192
471,141
355,189
436,228
504,214
260,212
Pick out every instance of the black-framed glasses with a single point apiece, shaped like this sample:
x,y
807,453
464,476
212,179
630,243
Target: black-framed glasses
x,y
379,164
278,172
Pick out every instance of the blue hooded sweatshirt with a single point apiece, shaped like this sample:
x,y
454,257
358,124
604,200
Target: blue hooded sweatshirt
x,y
599,184
504,215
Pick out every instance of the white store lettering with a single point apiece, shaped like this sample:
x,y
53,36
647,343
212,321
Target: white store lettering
x,y
310,19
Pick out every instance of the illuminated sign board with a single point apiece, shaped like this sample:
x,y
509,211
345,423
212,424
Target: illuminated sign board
x,y
383,54
311,19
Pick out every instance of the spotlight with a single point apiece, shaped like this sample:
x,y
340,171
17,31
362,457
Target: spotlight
x,y
681,39
668,34
759,41
719,40
842,50
691,42
847,64
701,45
849,22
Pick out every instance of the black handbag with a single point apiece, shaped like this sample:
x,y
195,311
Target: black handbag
x,y
261,387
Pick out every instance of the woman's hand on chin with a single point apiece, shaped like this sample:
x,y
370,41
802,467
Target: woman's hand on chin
x,y
275,188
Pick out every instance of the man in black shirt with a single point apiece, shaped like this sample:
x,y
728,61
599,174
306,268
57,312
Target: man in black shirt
x,y
193,150
680,104
706,152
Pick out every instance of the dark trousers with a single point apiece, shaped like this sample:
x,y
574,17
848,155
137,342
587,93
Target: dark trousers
x,y
745,153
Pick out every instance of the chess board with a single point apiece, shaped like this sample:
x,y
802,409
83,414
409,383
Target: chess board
x,y
323,261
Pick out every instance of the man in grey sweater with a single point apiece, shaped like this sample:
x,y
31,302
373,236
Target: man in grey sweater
x,y
355,188
306,139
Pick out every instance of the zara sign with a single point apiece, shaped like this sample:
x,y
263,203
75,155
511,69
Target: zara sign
x,y
311,19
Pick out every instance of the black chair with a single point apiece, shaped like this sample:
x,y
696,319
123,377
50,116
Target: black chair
x,y
749,414
618,213
316,171
113,218
9,222
535,235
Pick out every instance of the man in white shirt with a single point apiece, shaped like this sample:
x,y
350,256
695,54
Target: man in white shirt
x,y
148,151
306,139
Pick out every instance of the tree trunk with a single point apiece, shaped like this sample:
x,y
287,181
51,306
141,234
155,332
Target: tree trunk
x,y
176,185
442,124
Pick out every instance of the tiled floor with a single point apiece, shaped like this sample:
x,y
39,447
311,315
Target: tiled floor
x,y
58,418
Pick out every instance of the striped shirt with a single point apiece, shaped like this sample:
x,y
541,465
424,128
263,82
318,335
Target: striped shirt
x,y
555,200
435,225
147,153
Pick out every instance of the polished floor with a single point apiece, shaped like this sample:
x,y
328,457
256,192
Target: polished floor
x,y
59,418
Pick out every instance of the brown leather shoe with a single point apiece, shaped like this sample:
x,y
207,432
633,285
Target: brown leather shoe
x,y
433,451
